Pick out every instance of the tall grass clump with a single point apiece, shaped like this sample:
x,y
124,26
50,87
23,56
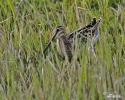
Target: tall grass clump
x,y
25,28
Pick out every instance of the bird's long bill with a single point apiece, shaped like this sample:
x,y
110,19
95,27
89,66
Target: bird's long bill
x,y
49,43
47,46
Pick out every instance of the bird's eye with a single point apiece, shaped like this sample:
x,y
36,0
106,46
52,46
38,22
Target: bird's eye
x,y
57,30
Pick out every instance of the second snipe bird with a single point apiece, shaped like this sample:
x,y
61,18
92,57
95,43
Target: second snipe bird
x,y
65,42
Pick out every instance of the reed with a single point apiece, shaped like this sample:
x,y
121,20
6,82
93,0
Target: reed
x,y
25,28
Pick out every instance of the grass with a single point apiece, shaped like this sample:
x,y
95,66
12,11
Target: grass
x,y
26,27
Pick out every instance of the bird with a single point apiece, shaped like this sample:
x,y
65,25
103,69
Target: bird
x,y
65,40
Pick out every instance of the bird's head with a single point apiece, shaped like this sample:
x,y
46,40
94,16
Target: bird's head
x,y
59,31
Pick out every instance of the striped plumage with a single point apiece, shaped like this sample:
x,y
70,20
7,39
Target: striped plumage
x,y
64,46
65,41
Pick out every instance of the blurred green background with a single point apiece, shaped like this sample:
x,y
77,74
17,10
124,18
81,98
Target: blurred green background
x,y
25,28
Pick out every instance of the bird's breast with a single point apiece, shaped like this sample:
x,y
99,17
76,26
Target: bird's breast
x,y
60,47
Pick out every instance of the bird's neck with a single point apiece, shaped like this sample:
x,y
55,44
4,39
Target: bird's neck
x,y
62,38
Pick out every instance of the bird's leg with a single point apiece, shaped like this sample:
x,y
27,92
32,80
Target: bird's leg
x,y
93,49
92,42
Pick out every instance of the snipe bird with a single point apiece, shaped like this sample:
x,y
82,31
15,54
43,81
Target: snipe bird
x,y
65,41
